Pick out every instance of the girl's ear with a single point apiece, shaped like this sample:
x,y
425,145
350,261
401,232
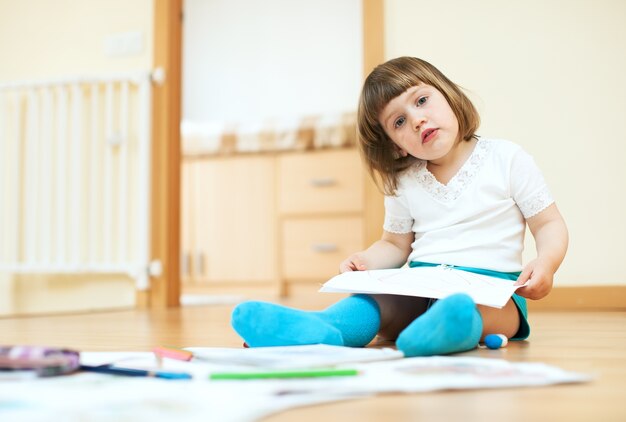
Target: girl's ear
x,y
399,152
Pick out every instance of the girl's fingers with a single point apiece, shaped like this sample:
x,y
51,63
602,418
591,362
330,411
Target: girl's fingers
x,y
524,277
354,263
348,266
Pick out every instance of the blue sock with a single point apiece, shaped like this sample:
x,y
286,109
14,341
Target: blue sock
x,y
356,317
353,321
451,325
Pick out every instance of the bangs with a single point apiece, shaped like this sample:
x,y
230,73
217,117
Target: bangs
x,y
383,86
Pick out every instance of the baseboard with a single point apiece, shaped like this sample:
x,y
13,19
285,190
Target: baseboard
x,y
582,298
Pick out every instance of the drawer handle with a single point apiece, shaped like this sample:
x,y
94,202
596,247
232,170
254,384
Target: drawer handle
x,y
324,247
323,182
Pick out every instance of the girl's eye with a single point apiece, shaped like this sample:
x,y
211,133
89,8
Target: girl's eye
x,y
399,122
421,101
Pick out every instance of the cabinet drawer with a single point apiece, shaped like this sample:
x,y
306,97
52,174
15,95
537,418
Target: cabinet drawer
x,y
314,248
314,182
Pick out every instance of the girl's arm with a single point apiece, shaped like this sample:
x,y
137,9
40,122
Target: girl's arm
x,y
391,251
551,238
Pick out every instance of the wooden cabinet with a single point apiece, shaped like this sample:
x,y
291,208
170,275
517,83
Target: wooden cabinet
x,y
229,224
274,222
323,197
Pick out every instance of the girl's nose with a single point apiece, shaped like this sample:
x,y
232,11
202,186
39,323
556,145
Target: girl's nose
x,y
417,120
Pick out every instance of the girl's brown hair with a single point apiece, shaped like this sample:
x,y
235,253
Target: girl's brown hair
x,y
386,82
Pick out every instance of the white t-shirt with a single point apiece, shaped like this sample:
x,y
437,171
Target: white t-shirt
x,y
478,218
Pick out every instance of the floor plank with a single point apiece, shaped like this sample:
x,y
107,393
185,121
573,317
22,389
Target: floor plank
x,y
590,342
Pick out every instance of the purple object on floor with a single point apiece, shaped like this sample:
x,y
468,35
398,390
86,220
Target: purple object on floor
x,y
45,361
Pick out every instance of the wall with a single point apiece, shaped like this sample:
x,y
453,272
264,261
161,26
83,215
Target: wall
x,y
42,39
548,75
246,61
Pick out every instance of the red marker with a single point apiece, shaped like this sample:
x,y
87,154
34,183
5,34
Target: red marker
x,y
168,352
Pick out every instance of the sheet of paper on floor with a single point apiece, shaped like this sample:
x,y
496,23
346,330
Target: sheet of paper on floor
x,y
306,356
89,396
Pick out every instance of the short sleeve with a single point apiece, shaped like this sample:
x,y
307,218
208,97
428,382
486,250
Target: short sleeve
x,y
397,215
528,187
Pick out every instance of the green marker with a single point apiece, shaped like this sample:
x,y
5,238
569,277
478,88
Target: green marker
x,y
307,373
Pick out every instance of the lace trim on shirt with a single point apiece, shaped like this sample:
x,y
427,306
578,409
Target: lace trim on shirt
x,y
539,202
464,177
398,225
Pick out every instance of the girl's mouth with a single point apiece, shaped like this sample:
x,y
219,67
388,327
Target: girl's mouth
x,y
428,135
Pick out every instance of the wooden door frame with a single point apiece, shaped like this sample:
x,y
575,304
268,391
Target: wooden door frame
x,y
373,28
164,288
373,34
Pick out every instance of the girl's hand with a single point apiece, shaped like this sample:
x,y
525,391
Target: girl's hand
x,y
391,251
354,262
550,233
539,277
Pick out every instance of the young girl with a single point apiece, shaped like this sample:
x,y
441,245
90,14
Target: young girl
x,y
451,198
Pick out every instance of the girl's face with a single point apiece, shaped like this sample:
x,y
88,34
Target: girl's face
x,y
421,123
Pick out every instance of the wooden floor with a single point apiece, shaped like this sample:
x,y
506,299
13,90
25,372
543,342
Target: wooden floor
x,y
590,342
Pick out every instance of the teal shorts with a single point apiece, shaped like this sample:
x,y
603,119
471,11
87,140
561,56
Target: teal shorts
x,y
524,327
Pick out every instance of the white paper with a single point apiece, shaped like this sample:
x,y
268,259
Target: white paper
x,y
284,357
429,282
437,373
103,397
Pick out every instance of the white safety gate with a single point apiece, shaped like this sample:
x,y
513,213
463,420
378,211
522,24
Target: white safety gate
x,y
75,176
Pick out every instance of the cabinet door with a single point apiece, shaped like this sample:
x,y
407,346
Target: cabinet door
x,y
234,219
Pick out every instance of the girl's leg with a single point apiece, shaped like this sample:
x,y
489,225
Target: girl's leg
x,y
353,321
455,324
397,312
500,321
